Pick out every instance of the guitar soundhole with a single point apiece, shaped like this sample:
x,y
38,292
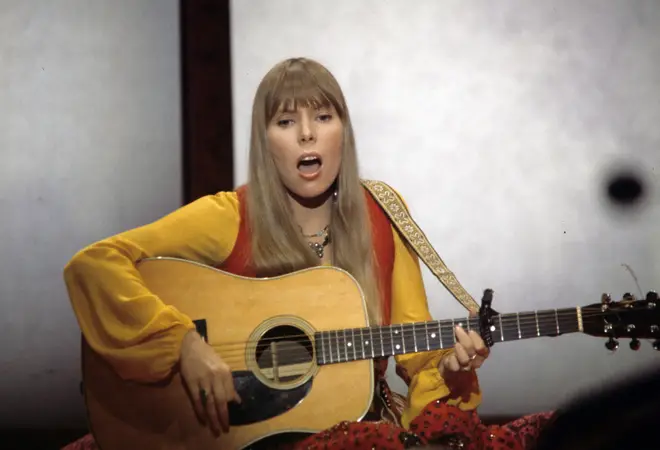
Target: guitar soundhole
x,y
284,355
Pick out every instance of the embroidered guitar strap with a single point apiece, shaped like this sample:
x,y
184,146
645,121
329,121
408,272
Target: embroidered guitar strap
x,y
398,213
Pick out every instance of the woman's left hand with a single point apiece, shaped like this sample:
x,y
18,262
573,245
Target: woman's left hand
x,y
469,353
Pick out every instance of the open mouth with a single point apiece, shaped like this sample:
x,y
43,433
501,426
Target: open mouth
x,y
309,164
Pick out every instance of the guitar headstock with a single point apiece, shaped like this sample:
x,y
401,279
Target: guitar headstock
x,y
626,318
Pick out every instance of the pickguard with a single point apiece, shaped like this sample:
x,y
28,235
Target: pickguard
x,y
260,402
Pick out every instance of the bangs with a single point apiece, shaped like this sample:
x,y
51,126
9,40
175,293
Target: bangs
x,y
297,87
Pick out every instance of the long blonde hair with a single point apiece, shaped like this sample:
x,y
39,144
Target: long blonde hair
x,y
277,245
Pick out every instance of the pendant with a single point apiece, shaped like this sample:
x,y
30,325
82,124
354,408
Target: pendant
x,y
318,249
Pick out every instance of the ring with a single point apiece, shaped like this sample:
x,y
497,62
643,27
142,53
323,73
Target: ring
x,y
202,395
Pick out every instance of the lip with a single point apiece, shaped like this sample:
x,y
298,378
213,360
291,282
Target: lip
x,y
310,176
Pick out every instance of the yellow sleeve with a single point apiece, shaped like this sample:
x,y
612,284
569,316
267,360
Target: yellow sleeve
x,y
120,318
409,304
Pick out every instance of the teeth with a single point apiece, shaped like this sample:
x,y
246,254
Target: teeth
x,y
309,158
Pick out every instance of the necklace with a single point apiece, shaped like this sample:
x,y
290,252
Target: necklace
x,y
317,234
320,247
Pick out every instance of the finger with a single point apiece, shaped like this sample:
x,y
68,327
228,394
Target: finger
x,y
230,389
211,411
477,362
197,402
479,345
474,313
462,355
451,363
220,394
465,340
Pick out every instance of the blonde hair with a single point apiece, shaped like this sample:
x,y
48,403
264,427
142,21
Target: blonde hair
x,y
277,244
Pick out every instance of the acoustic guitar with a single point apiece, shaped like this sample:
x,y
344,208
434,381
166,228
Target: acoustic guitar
x,y
301,350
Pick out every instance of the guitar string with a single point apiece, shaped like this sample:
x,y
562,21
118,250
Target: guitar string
x,y
386,342
342,354
339,355
408,327
509,326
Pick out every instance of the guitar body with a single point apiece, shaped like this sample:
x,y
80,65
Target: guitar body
x,y
264,329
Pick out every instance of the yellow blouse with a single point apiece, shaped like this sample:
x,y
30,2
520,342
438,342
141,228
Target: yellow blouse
x,y
140,336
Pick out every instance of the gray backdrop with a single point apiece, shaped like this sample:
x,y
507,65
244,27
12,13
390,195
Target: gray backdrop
x,y
90,145
496,123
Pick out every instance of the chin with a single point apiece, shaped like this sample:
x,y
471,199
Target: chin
x,y
310,190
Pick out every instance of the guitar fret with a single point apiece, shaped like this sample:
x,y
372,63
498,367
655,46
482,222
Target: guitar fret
x,y
396,339
346,345
426,335
442,343
354,344
557,321
371,340
329,342
501,328
338,346
510,329
414,336
494,330
382,344
362,344
322,347
391,339
527,325
518,323
403,338
431,336
538,329
449,334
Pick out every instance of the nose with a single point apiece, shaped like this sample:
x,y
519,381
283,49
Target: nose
x,y
307,133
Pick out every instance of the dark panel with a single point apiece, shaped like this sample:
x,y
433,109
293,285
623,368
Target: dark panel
x,y
206,96
259,402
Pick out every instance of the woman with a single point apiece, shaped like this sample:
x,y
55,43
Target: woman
x,y
303,206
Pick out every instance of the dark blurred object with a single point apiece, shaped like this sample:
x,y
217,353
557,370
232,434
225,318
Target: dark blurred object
x,y
624,416
625,188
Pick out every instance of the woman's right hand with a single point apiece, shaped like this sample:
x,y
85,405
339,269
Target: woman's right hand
x,y
209,381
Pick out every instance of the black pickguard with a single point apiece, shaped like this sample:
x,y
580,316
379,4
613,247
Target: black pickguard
x,y
259,402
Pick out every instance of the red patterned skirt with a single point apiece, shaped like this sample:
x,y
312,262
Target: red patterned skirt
x,y
439,426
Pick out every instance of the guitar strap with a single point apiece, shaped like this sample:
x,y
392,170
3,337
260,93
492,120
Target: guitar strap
x,y
398,213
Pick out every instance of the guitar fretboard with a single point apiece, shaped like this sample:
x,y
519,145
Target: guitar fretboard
x,y
353,344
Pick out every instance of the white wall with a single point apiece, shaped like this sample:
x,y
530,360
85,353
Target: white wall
x,y
497,122
89,146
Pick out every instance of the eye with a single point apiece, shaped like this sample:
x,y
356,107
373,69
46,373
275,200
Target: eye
x,y
284,122
325,117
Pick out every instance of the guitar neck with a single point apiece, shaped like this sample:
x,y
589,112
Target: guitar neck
x,y
337,346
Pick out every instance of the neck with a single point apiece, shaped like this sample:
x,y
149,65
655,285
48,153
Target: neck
x,y
312,215
337,346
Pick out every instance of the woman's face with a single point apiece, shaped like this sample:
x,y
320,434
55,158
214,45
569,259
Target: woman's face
x,y
306,145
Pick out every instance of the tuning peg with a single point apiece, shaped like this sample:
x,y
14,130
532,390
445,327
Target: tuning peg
x,y
635,344
656,345
612,344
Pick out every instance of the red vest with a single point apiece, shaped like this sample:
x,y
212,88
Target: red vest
x,y
238,261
